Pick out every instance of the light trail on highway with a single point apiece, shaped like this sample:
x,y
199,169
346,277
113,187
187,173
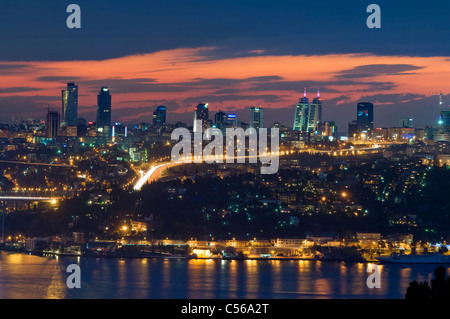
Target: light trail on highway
x,y
198,159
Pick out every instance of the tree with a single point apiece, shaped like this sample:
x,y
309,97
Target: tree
x,y
440,287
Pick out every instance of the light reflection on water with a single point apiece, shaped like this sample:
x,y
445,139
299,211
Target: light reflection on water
x,y
27,276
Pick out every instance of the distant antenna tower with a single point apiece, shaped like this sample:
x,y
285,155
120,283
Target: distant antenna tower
x,y
440,101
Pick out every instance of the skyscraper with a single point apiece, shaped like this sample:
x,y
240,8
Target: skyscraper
x,y
315,113
364,117
201,113
159,119
308,116
301,114
220,121
70,104
352,130
232,120
104,112
445,118
256,117
405,122
52,124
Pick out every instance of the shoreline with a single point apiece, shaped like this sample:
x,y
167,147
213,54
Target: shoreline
x,y
48,254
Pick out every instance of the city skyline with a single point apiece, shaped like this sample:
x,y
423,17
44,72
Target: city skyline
x,y
252,64
424,108
214,149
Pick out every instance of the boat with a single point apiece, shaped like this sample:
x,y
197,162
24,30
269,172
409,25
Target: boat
x,y
415,259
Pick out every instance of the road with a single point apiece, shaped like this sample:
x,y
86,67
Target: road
x,y
156,170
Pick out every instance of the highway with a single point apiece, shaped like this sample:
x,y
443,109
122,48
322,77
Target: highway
x,y
30,198
39,164
156,170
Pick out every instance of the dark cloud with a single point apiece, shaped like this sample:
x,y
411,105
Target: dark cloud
x,y
18,89
370,70
227,91
62,79
149,85
390,99
269,98
12,68
325,86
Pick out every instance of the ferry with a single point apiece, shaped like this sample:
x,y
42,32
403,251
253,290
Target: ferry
x,y
415,259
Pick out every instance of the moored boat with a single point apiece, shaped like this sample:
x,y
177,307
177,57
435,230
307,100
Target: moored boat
x,y
415,259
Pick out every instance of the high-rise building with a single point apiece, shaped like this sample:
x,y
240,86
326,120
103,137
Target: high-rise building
x,y
201,113
445,118
159,119
315,113
220,119
301,114
82,128
364,117
119,130
256,117
405,122
232,121
104,112
308,116
70,104
352,130
52,126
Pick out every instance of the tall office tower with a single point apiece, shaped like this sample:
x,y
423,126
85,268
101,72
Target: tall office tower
x,y
315,113
301,114
232,121
52,124
256,117
364,119
70,104
405,122
104,112
445,118
201,113
352,130
220,121
159,119
82,128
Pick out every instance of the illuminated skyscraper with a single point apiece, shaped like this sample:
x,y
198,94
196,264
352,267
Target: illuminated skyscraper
x,y
315,113
301,114
364,117
201,113
104,112
70,104
256,117
159,119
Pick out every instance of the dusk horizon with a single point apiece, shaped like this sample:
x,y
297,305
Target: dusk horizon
x,y
232,69
219,158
